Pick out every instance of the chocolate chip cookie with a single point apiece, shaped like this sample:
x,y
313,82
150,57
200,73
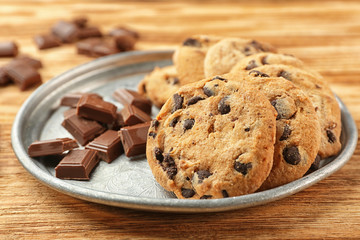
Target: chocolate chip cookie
x,y
189,57
212,139
159,85
297,129
321,96
223,55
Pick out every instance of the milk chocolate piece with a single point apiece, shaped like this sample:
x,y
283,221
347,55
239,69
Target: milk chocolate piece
x,y
37,64
125,42
23,75
94,108
67,32
46,41
89,32
134,138
72,99
4,77
104,48
130,97
132,115
86,46
123,30
8,49
80,22
51,147
77,165
108,145
81,129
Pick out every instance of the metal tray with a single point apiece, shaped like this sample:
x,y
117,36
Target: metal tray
x,y
128,182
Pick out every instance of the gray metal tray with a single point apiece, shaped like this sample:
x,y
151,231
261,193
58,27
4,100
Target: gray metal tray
x,y
128,182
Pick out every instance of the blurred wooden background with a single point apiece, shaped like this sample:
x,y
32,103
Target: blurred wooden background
x,y
325,34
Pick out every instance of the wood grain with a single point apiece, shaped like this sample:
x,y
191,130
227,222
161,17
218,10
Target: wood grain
x,y
325,34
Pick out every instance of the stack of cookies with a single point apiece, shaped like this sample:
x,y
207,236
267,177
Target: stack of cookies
x,y
236,117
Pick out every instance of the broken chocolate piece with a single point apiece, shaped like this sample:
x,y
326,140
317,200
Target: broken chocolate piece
x,y
86,47
132,115
291,155
80,22
67,32
8,49
130,97
77,165
51,147
46,41
123,30
134,138
72,99
125,42
108,145
4,78
29,61
104,48
89,32
81,129
92,107
23,75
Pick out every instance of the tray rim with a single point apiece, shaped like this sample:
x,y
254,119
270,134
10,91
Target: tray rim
x,y
168,205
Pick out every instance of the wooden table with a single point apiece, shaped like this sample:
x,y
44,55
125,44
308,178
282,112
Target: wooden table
x,y
325,34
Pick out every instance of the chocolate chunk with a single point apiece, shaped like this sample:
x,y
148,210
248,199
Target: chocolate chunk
x,y
286,133
264,60
188,124
4,78
331,136
125,42
80,22
133,115
51,147
242,168
247,129
152,134
223,107
134,138
202,174
225,193
256,73
81,129
89,32
219,78
124,30
67,32
187,193
130,97
158,154
285,75
155,123
174,121
208,92
77,165
172,80
72,99
23,75
206,197
36,64
104,48
8,49
273,103
92,107
178,102
86,47
108,146
169,166
252,64
191,42
258,46
46,41
194,100
291,155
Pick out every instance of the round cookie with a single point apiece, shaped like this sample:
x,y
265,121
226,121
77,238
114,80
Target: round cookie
x,y
189,57
297,129
212,139
320,94
159,85
222,56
